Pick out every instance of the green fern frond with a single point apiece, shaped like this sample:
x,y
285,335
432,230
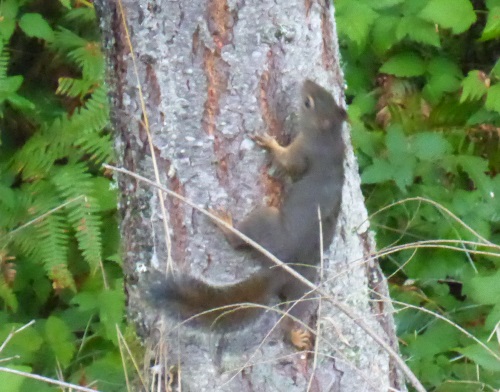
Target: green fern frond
x,y
74,87
46,240
4,63
38,154
7,294
72,181
65,40
99,147
86,54
93,116
53,239
59,140
80,15
90,59
7,276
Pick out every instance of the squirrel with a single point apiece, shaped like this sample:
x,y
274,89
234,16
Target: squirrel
x,y
314,161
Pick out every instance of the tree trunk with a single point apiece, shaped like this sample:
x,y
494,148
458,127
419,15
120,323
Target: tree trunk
x,y
213,73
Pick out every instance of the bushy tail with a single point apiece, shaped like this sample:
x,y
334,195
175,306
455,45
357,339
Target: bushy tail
x,y
190,298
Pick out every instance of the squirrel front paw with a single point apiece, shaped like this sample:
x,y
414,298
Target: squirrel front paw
x,y
265,141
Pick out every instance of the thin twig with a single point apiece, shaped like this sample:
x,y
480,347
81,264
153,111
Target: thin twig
x,y
318,323
43,216
437,315
48,380
13,333
439,207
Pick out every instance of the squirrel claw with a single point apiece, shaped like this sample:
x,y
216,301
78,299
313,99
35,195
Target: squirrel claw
x,y
265,140
301,339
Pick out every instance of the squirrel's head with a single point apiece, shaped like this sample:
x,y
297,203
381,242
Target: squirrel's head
x,y
319,109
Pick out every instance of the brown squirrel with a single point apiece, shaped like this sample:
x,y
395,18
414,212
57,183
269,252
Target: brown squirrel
x,y
314,160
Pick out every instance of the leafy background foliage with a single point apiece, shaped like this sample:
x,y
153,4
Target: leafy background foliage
x,y
424,89
59,263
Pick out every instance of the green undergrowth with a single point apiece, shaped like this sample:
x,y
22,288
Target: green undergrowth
x,y
423,83
59,263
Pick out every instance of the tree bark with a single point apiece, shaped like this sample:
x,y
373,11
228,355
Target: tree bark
x,y
213,73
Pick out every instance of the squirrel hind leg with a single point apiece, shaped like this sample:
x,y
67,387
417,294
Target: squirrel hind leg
x,y
263,225
301,307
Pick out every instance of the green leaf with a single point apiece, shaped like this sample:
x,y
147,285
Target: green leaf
x,y
66,3
60,339
354,20
8,9
417,30
7,27
493,318
402,162
405,64
438,338
20,102
457,15
384,33
108,373
381,4
25,343
473,86
104,193
444,77
476,168
8,12
380,171
493,98
430,146
492,3
34,25
86,301
7,294
492,28
495,71
484,289
12,382
482,357
404,173
10,85
112,306
397,145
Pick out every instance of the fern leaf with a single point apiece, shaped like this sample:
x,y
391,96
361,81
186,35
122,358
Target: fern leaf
x,y
4,63
90,59
65,40
73,87
46,240
80,16
53,240
37,156
7,276
99,147
71,182
93,116
7,294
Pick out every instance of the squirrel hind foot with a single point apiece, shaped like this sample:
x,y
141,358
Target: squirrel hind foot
x,y
301,339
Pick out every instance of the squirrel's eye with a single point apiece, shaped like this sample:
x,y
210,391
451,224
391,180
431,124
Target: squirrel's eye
x,y
309,102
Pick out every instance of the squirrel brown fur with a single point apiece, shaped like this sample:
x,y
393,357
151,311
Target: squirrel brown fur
x,y
314,160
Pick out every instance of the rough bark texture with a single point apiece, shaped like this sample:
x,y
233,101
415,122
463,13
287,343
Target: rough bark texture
x,y
213,73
